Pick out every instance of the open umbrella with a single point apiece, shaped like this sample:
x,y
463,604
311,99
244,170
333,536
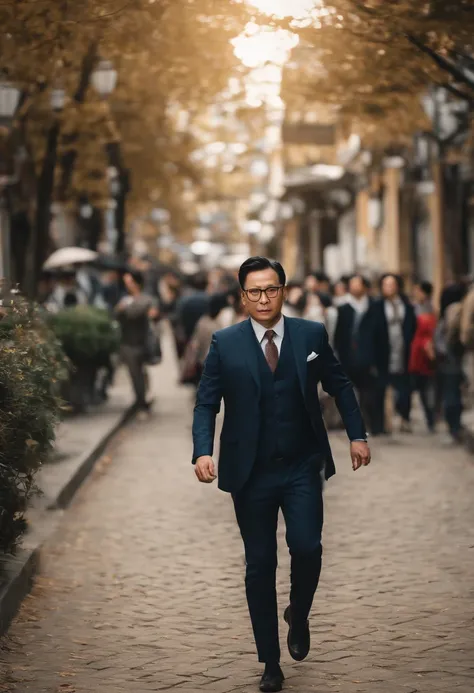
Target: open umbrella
x,y
69,256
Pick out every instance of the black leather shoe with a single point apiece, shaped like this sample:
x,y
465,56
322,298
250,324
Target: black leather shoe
x,y
298,637
272,679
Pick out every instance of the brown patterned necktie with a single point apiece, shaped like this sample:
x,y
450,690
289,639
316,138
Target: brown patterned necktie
x,y
271,350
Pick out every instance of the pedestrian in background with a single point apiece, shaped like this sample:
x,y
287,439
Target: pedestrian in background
x,y
295,301
354,343
422,297
198,347
193,304
422,365
394,329
317,281
450,352
341,292
134,313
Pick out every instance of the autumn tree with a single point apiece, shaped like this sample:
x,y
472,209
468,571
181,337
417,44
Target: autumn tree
x,y
171,55
376,58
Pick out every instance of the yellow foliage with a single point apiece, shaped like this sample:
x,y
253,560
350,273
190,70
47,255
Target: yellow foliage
x,y
167,53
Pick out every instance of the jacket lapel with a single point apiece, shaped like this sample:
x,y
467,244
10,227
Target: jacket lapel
x,y
298,344
248,342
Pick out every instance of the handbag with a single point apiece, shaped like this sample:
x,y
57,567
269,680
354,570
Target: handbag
x,y
153,353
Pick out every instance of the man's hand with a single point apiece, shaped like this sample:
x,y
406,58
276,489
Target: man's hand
x,y
360,454
205,469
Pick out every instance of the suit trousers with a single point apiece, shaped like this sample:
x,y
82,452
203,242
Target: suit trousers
x,y
401,385
134,359
296,488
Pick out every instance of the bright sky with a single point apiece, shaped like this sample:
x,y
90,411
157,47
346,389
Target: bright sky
x,y
284,8
257,46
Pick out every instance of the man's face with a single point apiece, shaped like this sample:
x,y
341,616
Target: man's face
x,y
389,287
130,284
324,286
356,287
311,284
261,307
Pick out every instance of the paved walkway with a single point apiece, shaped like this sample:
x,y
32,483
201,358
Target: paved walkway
x,y
142,588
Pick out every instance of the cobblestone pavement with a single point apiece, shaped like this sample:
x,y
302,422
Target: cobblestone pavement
x,y
142,588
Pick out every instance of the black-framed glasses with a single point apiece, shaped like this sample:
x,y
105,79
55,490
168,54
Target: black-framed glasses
x,y
255,295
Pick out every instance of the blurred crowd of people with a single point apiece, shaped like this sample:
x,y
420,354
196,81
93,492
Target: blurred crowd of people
x,y
139,294
389,343
392,343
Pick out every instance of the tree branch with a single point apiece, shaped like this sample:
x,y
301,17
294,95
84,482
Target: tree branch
x,y
444,64
87,67
456,92
69,158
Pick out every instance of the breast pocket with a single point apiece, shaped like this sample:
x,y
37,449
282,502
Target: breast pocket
x,y
314,369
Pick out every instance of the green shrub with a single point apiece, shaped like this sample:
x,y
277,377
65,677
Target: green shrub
x,y
86,334
31,366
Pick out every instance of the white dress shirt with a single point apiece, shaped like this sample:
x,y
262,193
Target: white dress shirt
x,y
279,330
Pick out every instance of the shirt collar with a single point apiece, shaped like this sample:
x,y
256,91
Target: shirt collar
x,y
260,330
359,304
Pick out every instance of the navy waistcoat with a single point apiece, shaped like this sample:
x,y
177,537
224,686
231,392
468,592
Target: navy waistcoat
x,y
285,427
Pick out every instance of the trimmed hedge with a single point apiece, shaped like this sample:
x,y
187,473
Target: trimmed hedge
x,y
87,335
32,364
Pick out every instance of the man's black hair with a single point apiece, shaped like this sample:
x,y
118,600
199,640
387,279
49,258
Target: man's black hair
x,y
199,281
217,303
398,279
426,287
137,277
257,264
326,300
321,276
451,294
294,284
363,279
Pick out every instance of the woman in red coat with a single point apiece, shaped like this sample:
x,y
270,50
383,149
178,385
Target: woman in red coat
x,y
422,365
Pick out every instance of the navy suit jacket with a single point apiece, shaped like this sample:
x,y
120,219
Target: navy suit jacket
x,y
355,352
231,373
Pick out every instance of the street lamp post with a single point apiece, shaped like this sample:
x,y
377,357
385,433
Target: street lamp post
x,y
9,98
104,78
44,195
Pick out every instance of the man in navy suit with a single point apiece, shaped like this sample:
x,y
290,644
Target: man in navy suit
x,y
274,448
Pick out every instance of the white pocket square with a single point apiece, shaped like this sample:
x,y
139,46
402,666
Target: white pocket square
x,y
312,356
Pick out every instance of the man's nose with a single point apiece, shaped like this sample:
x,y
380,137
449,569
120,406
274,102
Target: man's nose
x,y
264,298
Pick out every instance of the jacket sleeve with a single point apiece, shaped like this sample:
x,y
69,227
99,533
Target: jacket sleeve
x,y
337,384
467,321
208,404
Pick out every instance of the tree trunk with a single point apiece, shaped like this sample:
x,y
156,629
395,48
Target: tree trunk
x,y
453,210
69,158
20,237
39,247
120,212
438,224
